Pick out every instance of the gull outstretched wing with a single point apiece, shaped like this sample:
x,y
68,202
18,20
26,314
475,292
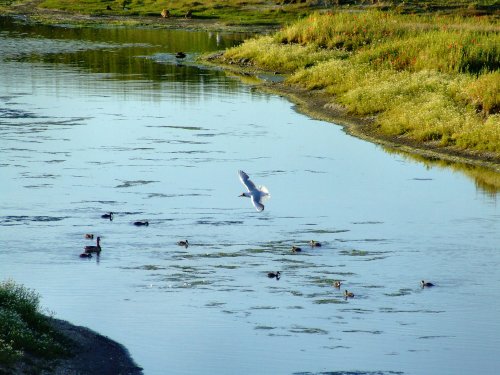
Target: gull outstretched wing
x,y
246,181
257,202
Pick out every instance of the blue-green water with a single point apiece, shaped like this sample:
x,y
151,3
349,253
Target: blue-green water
x,y
99,120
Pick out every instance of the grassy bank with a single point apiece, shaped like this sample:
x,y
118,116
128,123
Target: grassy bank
x,y
425,73
251,12
432,79
25,333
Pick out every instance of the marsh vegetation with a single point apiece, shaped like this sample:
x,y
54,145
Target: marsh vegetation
x,y
428,78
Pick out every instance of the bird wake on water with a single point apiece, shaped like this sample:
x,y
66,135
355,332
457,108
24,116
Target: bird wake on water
x,y
257,194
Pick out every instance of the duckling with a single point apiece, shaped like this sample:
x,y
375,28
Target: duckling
x,y
180,55
85,255
348,294
296,249
94,249
337,284
89,236
184,243
165,13
108,216
273,275
426,284
314,243
141,223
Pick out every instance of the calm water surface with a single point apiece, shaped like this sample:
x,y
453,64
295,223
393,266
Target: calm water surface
x,y
93,121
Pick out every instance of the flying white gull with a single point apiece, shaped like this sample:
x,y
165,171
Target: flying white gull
x,y
257,193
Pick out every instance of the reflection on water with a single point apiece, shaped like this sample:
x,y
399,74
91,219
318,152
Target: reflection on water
x,y
93,121
486,179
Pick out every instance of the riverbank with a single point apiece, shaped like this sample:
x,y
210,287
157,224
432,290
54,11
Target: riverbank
x,y
425,84
30,11
317,104
33,343
317,100
91,354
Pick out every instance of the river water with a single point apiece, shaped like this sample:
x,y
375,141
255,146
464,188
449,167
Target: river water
x,y
100,120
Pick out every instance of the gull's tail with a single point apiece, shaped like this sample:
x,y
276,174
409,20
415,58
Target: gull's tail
x,y
266,194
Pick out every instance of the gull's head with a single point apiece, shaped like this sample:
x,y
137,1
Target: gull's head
x,y
243,195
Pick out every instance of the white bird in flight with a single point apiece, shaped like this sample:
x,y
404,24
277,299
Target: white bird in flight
x,y
257,193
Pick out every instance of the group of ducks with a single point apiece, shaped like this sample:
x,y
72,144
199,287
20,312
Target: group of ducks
x,y
336,284
96,249
90,249
257,194
312,243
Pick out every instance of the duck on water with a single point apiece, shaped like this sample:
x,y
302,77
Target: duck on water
x,y
94,249
108,216
274,275
184,243
426,284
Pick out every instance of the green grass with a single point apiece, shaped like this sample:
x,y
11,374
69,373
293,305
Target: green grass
x,y
430,78
24,330
241,12
229,11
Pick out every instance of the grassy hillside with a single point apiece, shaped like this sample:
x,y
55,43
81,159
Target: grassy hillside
x,y
427,78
